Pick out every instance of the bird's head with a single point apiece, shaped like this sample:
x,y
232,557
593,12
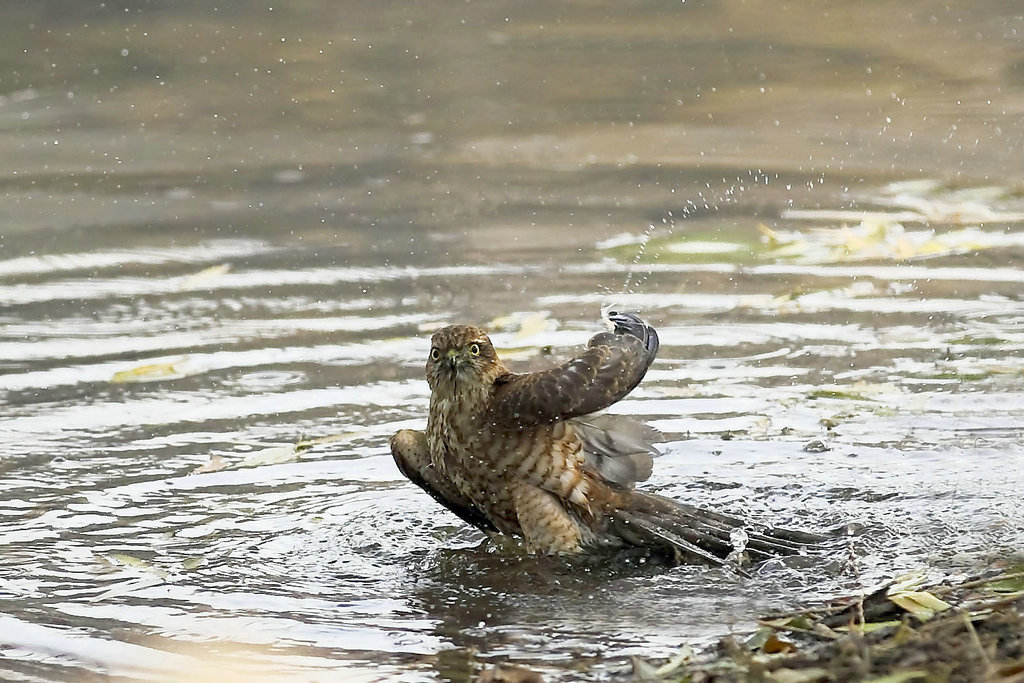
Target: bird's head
x,y
460,354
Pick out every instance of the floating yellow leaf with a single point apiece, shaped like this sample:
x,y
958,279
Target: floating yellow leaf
x,y
203,276
921,604
150,373
532,324
525,324
503,322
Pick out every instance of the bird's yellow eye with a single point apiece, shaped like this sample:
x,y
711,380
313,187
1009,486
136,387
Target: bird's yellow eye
x,y
474,349
435,353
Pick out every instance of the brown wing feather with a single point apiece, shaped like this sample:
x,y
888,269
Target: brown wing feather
x,y
412,456
610,367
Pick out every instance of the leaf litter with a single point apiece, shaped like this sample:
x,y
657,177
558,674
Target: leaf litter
x,y
952,630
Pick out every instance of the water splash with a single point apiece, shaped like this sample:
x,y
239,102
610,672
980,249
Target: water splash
x,y
709,199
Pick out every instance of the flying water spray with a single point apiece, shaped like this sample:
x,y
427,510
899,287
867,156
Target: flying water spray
x,y
708,199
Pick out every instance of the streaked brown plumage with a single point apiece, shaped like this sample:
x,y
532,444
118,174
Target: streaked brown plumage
x,y
523,454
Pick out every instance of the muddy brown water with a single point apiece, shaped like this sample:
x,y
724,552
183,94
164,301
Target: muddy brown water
x,y
225,229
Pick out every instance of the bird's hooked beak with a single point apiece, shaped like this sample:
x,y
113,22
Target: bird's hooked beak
x,y
452,360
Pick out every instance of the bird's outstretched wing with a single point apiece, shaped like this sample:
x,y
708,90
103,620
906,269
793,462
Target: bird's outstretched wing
x,y
610,367
412,455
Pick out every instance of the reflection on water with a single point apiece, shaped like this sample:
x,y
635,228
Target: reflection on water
x,y
227,233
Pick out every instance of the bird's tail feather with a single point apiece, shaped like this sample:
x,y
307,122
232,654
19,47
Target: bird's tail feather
x,y
689,533
643,530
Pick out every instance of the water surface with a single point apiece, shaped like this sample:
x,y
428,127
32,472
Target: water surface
x,y
225,231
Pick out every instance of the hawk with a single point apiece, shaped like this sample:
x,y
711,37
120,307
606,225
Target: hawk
x,y
527,454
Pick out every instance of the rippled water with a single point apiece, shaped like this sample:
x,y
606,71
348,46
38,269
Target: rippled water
x,y
226,233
